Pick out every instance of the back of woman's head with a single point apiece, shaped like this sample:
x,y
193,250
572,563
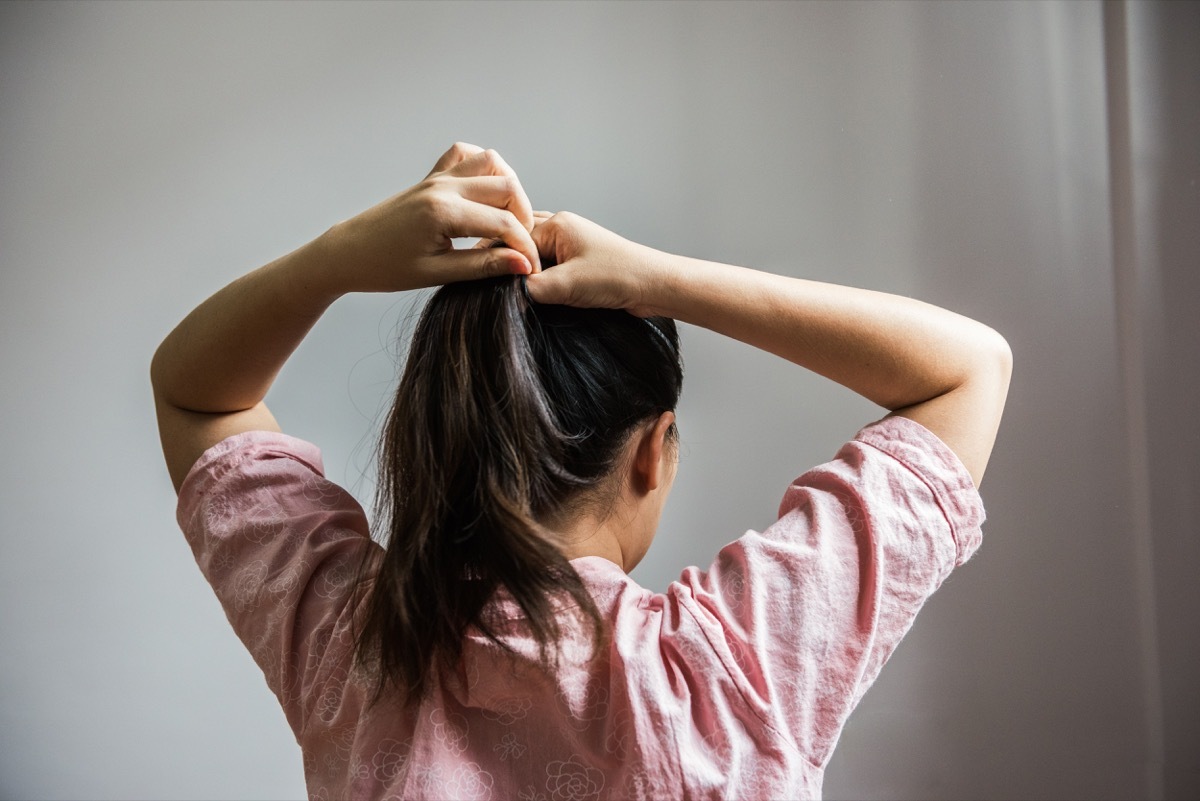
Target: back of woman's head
x,y
509,414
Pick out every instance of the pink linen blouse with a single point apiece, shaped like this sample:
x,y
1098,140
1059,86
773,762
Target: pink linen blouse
x,y
734,683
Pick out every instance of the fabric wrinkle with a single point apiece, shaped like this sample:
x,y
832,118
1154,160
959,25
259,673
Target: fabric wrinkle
x,y
736,681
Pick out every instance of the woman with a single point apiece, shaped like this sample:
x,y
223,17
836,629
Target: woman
x,y
497,648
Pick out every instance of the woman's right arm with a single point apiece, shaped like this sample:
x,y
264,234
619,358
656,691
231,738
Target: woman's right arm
x,y
943,370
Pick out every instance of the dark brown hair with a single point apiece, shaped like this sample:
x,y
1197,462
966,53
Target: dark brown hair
x,y
506,414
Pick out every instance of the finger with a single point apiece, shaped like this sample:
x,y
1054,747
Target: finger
x,y
550,238
551,286
482,162
478,219
470,264
489,162
489,243
501,191
539,218
458,152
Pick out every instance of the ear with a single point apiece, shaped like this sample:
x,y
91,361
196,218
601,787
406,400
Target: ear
x,y
649,467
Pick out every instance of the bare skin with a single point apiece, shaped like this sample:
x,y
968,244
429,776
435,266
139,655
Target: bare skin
x,y
211,373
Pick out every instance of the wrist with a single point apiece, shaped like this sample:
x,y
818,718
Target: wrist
x,y
679,287
654,284
320,265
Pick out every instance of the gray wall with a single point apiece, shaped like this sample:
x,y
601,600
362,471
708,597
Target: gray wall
x,y
1033,165
1157,258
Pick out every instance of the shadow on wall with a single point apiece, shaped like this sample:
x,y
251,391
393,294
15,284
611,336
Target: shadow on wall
x,y
1165,101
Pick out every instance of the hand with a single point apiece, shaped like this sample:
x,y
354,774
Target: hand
x,y
405,241
595,268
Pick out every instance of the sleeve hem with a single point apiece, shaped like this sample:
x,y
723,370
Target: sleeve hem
x,y
939,468
232,451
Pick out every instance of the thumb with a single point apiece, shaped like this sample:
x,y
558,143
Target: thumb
x,y
469,264
551,286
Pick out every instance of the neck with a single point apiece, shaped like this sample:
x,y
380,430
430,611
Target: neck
x,y
607,537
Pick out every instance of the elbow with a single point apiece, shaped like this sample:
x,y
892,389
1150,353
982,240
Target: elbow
x,y
159,370
1000,356
156,369
994,368
991,357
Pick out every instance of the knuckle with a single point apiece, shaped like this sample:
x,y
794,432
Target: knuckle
x,y
489,267
492,159
436,205
514,226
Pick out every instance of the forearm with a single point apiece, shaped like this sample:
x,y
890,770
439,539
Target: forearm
x,y
224,356
893,350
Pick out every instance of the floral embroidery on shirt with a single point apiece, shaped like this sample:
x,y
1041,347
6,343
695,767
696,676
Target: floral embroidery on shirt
x,y
331,695
257,517
573,780
219,515
508,711
341,740
390,759
223,561
263,524
321,491
617,740
429,778
317,650
530,793
509,747
287,583
248,584
470,781
450,730
645,787
733,583
334,576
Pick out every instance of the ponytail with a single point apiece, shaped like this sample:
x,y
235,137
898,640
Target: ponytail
x,y
505,413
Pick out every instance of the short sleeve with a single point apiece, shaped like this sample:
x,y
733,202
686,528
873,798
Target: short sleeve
x,y
280,545
804,614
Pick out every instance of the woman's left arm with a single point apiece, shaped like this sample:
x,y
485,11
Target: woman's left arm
x,y
213,370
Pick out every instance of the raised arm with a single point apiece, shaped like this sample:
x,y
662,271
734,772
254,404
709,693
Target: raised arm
x,y
945,371
211,373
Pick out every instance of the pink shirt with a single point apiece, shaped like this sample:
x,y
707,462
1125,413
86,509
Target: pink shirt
x,y
735,683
